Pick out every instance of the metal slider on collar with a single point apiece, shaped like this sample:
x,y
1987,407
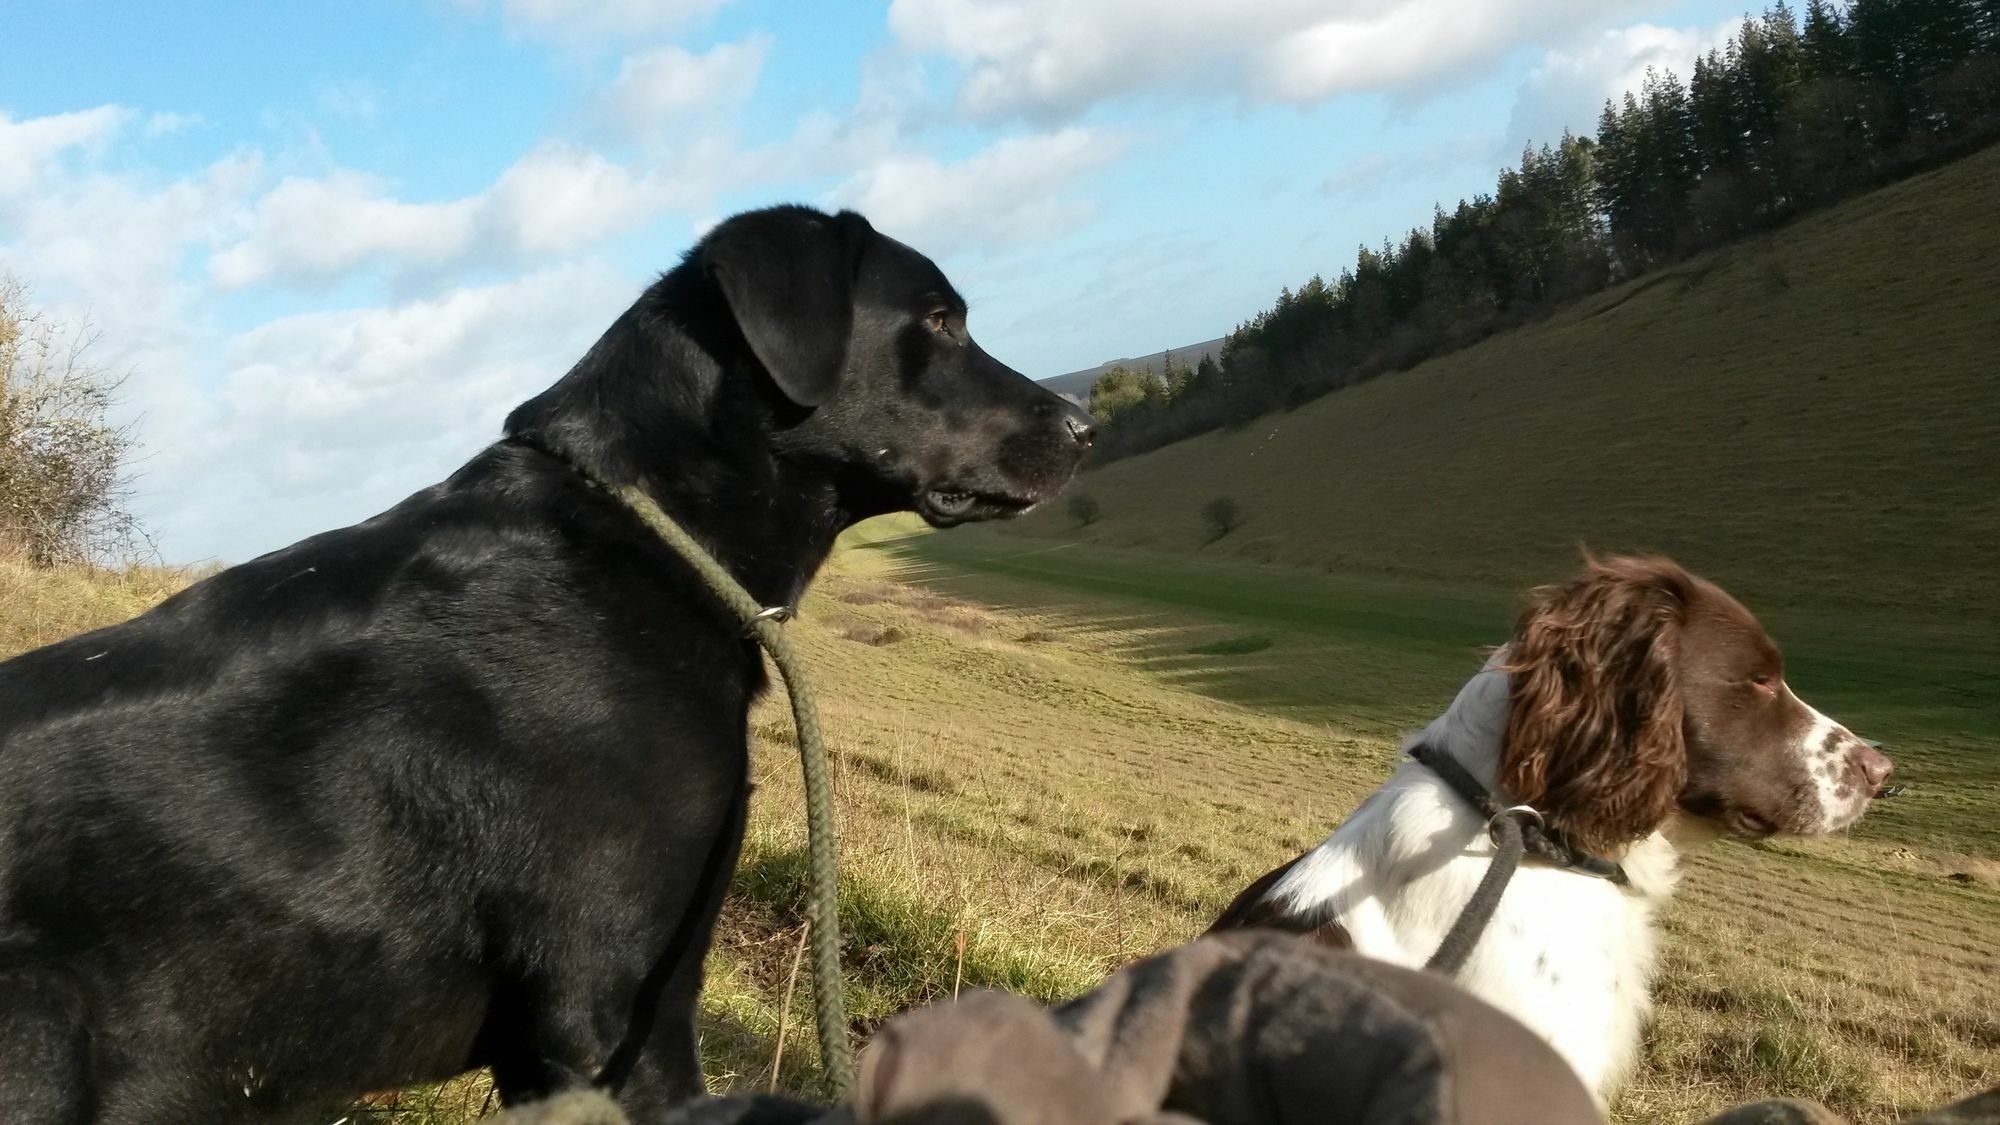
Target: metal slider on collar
x,y
777,614
1521,813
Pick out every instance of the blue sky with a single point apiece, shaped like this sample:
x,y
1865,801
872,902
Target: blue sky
x,y
333,244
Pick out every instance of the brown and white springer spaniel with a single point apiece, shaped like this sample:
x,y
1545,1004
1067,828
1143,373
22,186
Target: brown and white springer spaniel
x,y
1641,710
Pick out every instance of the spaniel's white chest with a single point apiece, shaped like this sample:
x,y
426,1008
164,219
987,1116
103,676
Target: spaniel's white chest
x,y
1573,962
1567,954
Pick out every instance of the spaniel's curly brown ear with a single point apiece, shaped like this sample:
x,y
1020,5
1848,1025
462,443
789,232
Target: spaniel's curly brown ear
x,y
1594,704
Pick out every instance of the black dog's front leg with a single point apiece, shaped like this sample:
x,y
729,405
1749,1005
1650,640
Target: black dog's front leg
x,y
44,1044
667,1067
667,1070
628,1028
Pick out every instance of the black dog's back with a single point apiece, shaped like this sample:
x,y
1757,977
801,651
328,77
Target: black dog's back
x,y
281,737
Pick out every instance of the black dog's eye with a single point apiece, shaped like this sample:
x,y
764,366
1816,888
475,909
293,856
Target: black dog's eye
x,y
939,321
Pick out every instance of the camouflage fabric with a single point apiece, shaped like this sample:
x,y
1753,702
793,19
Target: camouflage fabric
x,y
1242,1028
1980,1109
1779,1111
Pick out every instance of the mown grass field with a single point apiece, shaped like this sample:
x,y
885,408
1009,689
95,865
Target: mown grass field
x,y
1074,757
1051,760
1060,748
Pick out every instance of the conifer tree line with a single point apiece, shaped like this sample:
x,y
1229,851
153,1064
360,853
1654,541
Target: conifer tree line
x,y
1797,111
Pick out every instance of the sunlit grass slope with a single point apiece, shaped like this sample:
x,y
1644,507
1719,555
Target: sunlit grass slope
x,y
1812,417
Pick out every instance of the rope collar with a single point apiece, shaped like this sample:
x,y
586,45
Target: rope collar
x,y
1515,830
764,624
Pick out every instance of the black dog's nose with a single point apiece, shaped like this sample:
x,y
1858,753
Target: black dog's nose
x,y
1081,426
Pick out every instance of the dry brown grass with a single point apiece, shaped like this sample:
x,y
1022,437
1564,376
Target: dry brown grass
x,y
1067,813
1024,805
38,606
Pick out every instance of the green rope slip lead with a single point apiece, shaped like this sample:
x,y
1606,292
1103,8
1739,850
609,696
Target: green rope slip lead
x,y
823,902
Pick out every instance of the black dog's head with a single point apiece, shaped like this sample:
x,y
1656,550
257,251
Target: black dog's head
x,y
867,343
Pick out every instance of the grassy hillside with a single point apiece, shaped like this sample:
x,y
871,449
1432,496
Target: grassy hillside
x,y
1064,775
1811,417
1050,763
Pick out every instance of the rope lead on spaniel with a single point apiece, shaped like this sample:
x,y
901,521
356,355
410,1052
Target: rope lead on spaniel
x,y
1516,830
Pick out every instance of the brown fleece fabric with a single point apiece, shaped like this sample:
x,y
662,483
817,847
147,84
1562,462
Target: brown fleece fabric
x,y
1241,1028
1778,1111
1244,1028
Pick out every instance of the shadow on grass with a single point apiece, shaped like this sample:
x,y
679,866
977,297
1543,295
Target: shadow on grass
x,y
1379,656
736,1055
1234,646
1369,657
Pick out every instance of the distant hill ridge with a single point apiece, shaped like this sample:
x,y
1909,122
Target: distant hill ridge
x,y
1077,384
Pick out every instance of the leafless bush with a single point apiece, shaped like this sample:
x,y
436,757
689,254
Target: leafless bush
x,y
64,492
1221,516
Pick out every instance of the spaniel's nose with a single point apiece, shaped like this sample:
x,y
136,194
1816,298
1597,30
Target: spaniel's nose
x,y
1873,764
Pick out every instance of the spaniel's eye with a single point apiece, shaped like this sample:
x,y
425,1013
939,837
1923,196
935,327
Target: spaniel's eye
x,y
1763,679
939,321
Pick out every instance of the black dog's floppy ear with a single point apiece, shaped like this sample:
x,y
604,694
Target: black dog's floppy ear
x,y
788,275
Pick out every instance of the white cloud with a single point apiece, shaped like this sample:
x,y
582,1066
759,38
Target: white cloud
x,y
1568,87
254,439
113,252
349,99
561,197
325,418
319,228
556,199
1391,47
1054,58
1009,193
585,21
657,86
114,249
27,147
167,124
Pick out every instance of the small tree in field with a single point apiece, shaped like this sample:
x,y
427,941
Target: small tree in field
x,y
63,490
1084,509
1221,516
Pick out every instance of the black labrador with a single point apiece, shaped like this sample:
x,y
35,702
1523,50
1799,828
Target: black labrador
x,y
439,791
